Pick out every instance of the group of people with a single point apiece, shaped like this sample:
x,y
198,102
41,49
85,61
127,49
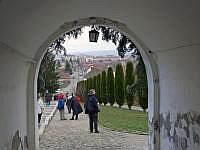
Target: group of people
x,y
73,104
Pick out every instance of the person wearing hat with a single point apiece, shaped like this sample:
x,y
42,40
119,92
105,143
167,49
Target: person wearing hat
x,y
92,109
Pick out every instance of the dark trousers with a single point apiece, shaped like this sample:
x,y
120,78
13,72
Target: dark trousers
x,y
75,117
69,108
39,118
93,122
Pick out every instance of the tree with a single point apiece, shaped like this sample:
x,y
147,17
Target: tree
x,y
103,87
90,83
87,84
47,77
71,62
94,82
119,85
98,88
123,43
129,80
56,46
110,86
80,90
68,68
58,64
141,84
86,89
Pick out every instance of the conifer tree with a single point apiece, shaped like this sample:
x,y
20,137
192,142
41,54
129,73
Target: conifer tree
x,y
94,82
90,83
87,85
48,77
68,68
80,90
98,89
85,90
119,85
110,86
103,87
142,88
129,80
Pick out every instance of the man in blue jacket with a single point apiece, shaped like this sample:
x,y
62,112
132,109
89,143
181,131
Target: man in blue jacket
x,y
60,106
92,109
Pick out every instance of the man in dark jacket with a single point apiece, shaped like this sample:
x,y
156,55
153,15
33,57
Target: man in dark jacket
x,y
76,108
92,109
68,103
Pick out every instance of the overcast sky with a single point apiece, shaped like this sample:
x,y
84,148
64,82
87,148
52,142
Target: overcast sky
x,y
82,43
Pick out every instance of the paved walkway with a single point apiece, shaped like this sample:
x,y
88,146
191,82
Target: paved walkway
x,y
75,135
47,116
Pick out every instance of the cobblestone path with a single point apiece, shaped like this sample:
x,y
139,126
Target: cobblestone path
x,y
75,135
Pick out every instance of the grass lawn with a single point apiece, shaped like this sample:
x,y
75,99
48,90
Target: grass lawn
x,y
123,120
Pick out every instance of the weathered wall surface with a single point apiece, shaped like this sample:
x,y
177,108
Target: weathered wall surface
x,y
179,98
13,82
180,131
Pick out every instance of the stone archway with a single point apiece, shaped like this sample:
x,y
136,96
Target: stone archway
x,y
150,65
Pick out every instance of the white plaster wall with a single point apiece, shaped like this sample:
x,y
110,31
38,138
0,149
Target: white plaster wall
x,y
179,97
13,82
154,22
179,79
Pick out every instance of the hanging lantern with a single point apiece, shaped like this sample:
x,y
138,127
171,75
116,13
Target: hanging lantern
x,y
93,35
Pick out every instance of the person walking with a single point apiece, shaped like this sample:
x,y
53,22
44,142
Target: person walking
x,y
78,98
40,108
48,99
92,109
68,103
60,106
76,108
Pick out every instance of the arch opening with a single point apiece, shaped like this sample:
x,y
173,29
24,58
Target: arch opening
x,y
148,58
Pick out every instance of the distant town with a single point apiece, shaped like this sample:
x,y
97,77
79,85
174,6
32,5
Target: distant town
x,y
88,65
85,66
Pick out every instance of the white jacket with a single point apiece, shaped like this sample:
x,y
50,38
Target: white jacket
x,y
40,106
